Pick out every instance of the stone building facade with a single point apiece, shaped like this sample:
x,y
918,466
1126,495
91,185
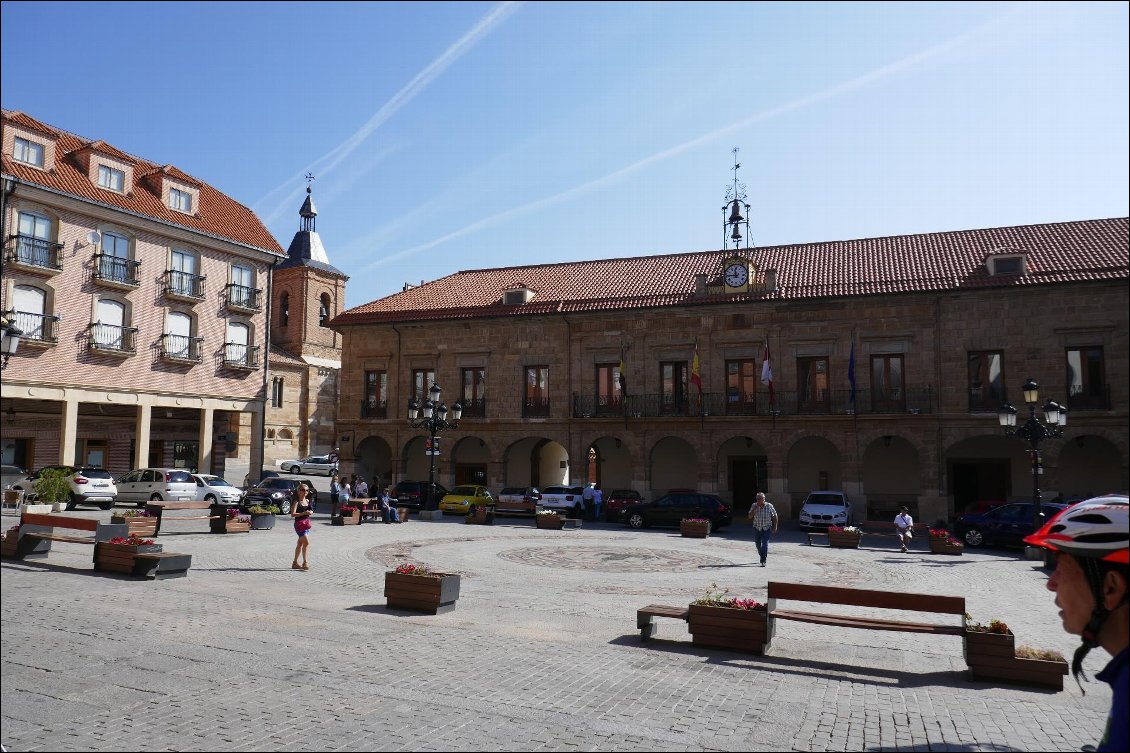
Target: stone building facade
x,y
888,359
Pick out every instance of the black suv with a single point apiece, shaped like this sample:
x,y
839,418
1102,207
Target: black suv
x,y
669,509
414,494
278,491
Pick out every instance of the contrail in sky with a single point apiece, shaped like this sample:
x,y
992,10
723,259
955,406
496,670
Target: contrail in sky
x,y
860,81
335,156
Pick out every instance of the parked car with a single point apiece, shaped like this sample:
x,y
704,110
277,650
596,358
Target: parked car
x,y
90,485
413,494
616,500
211,488
312,464
10,475
156,485
264,475
982,505
521,500
461,498
669,509
825,508
1006,525
278,491
564,499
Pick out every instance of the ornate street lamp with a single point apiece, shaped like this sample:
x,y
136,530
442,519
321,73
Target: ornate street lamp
x,y
1033,432
434,420
9,342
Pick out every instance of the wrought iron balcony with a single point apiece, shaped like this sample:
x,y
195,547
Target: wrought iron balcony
x,y
36,328
238,356
182,348
34,254
536,407
1089,398
116,271
835,403
184,285
243,298
474,408
374,408
113,339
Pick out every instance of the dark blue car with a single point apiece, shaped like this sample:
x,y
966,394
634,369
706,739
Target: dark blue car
x,y
1006,525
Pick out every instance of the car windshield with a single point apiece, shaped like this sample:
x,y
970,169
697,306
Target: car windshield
x,y
826,499
465,490
215,481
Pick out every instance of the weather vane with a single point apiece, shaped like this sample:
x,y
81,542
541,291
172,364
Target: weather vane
x,y
735,202
309,180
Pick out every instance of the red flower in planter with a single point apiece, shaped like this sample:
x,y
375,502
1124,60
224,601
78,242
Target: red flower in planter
x,y
132,540
408,568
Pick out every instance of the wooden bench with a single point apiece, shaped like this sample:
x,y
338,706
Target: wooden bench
x,y
37,531
882,528
216,512
645,618
947,605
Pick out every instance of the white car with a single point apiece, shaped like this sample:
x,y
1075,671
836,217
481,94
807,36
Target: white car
x,y
825,508
156,485
211,488
563,499
312,464
90,485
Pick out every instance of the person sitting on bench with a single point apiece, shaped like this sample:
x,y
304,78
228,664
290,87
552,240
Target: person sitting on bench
x,y
904,527
388,512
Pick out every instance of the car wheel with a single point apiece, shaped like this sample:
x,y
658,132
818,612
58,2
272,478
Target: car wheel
x,y
973,537
284,507
154,498
211,499
292,469
635,520
72,502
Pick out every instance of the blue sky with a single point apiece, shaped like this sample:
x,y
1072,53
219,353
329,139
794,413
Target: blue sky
x,y
450,136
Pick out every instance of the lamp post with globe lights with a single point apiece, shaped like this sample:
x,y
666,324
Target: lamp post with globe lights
x,y
1033,431
432,416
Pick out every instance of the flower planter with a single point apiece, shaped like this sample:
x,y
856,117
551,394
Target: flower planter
x,y
433,593
724,627
35,508
482,516
844,540
992,656
119,558
138,526
942,546
350,519
552,522
694,529
263,521
233,526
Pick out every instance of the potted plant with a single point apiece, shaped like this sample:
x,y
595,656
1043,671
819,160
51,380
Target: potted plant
x,y
349,516
140,522
716,619
548,519
263,516
695,528
417,588
53,487
991,653
941,542
482,515
846,537
117,554
228,520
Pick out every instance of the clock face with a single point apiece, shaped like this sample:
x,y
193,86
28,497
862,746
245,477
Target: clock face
x,y
736,275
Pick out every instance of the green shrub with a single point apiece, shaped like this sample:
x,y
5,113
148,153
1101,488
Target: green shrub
x,y
53,485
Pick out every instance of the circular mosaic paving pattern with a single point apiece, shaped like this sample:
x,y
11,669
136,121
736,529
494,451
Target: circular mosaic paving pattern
x,y
611,559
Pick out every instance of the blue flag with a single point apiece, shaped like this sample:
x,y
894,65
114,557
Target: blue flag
x,y
851,372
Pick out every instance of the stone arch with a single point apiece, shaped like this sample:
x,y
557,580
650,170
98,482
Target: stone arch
x,y
535,461
373,460
740,469
813,462
891,476
672,464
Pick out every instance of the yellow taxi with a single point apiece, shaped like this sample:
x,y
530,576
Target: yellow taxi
x,y
461,498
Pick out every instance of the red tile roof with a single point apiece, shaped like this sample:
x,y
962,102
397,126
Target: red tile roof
x,y
1056,253
217,214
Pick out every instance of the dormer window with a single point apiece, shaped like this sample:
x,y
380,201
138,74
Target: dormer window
x,y
28,152
114,180
1007,262
516,296
179,200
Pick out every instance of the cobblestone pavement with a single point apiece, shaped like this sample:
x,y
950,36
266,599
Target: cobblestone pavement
x,y
541,653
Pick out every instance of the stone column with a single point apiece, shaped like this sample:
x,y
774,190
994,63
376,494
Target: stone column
x,y
141,435
68,432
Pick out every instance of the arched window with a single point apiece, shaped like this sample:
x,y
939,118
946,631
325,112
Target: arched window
x,y
284,310
29,305
109,324
236,342
324,310
178,334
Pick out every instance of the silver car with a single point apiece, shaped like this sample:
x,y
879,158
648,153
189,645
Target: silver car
x,y
215,489
312,464
156,485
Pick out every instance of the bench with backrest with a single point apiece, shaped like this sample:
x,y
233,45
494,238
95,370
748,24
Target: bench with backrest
x,y
645,618
215,511
38,531
880,528
859,597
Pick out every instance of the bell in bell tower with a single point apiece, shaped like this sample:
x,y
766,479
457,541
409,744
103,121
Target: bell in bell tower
x,y
736,265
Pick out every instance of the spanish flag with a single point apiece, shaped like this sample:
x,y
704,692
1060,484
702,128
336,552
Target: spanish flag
x,y
623,379
696,375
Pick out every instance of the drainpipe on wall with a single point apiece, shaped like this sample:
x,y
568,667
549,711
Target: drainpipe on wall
x,y
255,474
391,481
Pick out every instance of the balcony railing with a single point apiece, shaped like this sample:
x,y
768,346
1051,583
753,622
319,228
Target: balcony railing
x,y
35,327
474,408
116,270
838,402
535,407
374,408
1090,398
182,348
111,338
243,297
34,253
238,356
184,284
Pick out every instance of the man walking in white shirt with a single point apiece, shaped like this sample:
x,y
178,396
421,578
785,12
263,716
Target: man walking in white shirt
x,y
765,524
